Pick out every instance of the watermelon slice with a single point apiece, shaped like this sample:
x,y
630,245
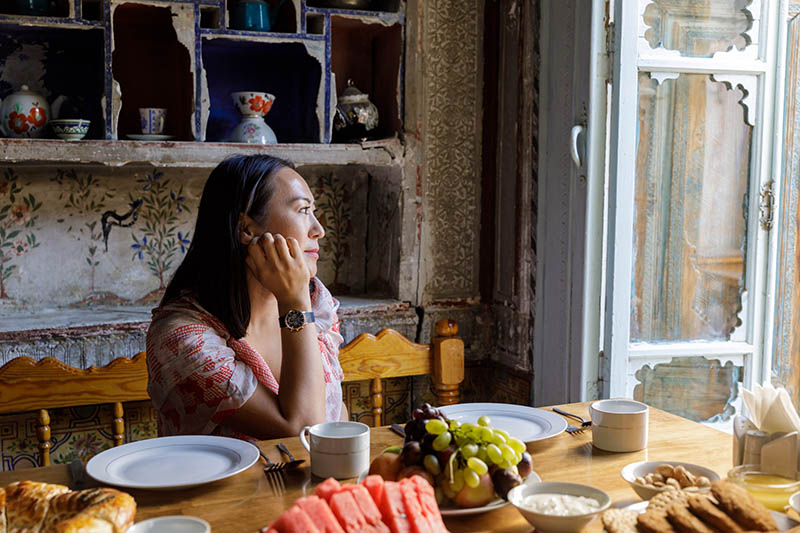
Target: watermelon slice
x,y
346,509
427,499
367,506
374,485
418,521
320,514
392,508
327,488
295,520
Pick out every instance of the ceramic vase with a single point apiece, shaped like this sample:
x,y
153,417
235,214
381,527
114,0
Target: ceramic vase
x,y
253,129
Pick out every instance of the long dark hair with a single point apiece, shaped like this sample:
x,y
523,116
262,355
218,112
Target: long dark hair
x,y
214,267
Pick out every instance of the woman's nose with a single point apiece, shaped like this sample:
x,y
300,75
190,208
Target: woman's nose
x,y
317,231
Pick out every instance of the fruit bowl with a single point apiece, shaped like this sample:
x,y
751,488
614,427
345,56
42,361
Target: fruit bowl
x,y
636,471
70,129
553,522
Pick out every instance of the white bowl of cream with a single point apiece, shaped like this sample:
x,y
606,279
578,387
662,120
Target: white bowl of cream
x,y
558,506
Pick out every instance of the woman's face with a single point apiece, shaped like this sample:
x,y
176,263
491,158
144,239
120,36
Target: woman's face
x,y
290,212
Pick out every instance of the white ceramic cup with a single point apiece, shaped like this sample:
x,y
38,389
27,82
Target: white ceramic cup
x,y
619,425
337,449
152,120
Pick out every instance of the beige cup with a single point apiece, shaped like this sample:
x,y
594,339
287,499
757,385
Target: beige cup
x,y
337,449
619,425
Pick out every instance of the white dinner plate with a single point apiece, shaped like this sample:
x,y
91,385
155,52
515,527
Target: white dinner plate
x,y
783,521
172,462
150,137
533,477
525,423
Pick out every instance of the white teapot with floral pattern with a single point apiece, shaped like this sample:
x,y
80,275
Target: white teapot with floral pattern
x,y
24,114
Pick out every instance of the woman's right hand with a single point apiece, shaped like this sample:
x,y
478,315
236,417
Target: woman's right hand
x,y
280,266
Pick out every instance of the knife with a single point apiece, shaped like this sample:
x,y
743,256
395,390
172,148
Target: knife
x,y
292,461
78,475
397,428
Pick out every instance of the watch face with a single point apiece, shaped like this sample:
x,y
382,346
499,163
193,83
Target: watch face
x,y
295,319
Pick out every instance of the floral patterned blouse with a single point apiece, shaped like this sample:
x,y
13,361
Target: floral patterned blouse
x,y
199,375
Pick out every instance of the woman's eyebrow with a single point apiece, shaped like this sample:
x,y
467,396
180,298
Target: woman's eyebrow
x,y
303,199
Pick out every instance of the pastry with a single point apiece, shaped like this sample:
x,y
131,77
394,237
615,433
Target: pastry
x,y
27,503
100,509
709,513
742,507
684,521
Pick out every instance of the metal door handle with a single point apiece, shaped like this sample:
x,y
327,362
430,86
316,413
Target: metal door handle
x,y
576,156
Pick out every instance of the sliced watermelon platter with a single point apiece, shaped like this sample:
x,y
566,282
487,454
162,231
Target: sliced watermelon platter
x,y
372,506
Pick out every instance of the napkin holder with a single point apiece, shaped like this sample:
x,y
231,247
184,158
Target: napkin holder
x,y
777,453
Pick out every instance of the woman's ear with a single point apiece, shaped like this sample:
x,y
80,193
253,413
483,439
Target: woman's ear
x,y
246,232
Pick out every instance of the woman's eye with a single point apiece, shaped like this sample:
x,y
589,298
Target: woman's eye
x,y
305,210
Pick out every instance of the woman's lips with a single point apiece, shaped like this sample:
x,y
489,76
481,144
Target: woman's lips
x,y
313,253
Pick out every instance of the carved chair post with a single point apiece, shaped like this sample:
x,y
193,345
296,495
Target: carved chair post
x,y
448,362
118,425
43,436
376,396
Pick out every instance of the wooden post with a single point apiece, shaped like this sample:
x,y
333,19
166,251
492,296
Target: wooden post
x,y
43,435
448,362
376,395
118,425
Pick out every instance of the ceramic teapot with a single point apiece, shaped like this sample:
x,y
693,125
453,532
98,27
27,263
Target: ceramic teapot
x,y
356,117
25,113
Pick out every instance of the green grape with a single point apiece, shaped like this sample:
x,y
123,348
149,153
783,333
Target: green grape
x,y
482,454
454,425
494,454
432,465
434,426
505,464
497,438
442,441
517,444
502,432
508,452
471,478
477,465
458,481
484,421
486,434
469,426
469,450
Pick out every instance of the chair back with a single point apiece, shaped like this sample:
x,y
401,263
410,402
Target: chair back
x,y
28,385
390,355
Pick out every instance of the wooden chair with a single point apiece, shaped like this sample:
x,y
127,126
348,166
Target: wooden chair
x,y
27,385
389,355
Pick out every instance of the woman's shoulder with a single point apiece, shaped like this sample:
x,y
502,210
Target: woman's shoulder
x,y
180,313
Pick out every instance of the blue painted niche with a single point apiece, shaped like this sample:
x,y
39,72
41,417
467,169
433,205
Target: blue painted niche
x,y
72,66
282,69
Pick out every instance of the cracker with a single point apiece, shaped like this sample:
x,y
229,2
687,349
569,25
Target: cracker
x,y
742,507
654,521
619,520
685,522
709,513
662,500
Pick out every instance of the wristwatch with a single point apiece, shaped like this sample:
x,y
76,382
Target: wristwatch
x,y
296,320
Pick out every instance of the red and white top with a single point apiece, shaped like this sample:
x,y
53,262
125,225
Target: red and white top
x,y
199,375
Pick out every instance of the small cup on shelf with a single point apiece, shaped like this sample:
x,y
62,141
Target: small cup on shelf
x,y
153,119
70,129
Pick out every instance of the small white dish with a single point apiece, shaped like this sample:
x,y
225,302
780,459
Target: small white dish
x,y
545,522
151,137
642,468
171,524
794,502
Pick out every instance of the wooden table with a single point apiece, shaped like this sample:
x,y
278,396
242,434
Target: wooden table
x,y
245,503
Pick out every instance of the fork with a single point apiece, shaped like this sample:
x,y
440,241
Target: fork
x,y
574,429
274,475
292,461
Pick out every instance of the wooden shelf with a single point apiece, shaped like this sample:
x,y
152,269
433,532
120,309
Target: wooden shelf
x,y
193,154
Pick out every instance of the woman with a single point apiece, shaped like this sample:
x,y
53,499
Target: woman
x,y
236,320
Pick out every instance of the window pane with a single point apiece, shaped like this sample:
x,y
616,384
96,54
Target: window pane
x,y
698,28
690,218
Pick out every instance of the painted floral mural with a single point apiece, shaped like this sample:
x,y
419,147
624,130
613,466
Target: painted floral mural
x,y
84,197
18,215
333,211
161,241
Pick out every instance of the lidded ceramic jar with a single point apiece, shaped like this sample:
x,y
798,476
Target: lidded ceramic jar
x,y
24,114
356,117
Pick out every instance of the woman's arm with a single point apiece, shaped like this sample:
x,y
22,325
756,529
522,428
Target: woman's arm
x,y
279,266
344,415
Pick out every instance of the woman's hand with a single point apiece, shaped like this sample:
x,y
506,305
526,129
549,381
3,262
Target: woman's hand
x,y
280,266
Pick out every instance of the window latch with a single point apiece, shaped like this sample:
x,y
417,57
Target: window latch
x,y
767,208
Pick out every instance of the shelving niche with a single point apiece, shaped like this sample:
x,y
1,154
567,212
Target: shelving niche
x,y
110,57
